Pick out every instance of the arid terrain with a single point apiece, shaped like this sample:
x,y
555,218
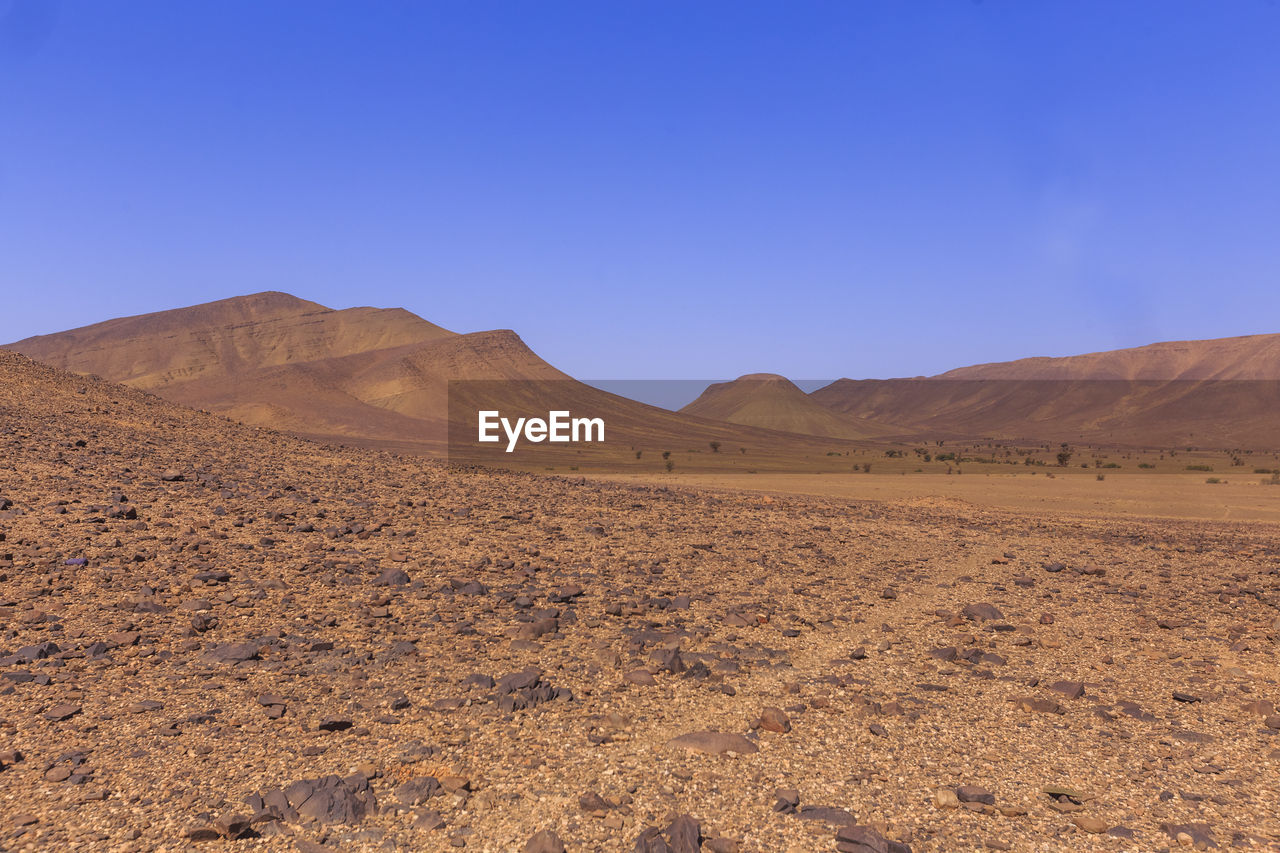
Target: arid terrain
x,y
221,637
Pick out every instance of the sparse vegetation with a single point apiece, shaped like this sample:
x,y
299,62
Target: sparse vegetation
x,y
1199,467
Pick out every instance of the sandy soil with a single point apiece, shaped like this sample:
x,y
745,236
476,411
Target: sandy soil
x,y
220,638
1243,497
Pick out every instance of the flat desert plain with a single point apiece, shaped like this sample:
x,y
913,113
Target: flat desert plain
x,y
1246,497
218,637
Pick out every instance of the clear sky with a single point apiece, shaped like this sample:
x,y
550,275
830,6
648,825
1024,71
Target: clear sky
x,y
656,188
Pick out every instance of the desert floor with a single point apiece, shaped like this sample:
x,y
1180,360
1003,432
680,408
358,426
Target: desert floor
x,y
1242,497
221,638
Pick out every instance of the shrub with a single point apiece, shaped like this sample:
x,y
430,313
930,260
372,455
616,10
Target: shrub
x,y
1199,467
1213,480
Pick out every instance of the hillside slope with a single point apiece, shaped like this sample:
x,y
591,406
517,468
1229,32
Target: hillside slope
x,y
378,377
1254,357
774,402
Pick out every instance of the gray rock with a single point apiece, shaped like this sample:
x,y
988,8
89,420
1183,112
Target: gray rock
x,y
864,839
981,612
417,790
232,653
392,577
974,794
330,799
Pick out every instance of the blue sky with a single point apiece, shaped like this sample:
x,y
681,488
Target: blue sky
x,y
656,189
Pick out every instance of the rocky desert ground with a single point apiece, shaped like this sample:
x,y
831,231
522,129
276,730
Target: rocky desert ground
x,y
217,637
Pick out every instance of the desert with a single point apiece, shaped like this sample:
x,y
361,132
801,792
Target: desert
x,y
221,636
639,427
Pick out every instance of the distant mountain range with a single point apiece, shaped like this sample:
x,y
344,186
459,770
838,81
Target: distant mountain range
x,y
378,377
382,377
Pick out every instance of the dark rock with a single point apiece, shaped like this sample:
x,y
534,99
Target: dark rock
x,y
330,799
974,794
864,839
232,825
593,802
826,814
64,711
417,790
544,841
521,680
232,653
1201,834
392,577
334,724
775,720
684,835
1070,689
787,802
981,612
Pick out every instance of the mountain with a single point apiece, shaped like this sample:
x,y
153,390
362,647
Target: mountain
x,y
1254,357
377,377
774,402
1216,393
224,338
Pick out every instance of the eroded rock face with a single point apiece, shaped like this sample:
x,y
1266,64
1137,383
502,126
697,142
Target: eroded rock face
x,y
322,645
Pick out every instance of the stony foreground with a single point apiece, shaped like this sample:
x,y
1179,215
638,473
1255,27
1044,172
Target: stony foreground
x,y
221,638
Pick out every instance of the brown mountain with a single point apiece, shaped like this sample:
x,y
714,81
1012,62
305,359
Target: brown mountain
x,y
1217,393
378,377
774,402
1245,358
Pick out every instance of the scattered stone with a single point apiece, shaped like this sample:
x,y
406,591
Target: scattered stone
x,y
974,794
981,612
713,743
945,798
544,841
1070,689
1090,824
232,653
774,720
64,711
864,839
